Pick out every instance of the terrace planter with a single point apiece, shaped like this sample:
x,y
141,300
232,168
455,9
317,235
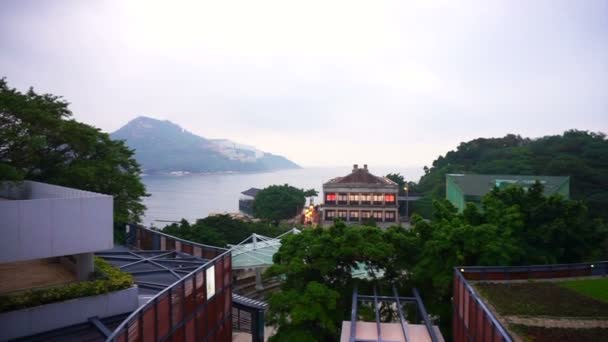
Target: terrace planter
x,y
38,319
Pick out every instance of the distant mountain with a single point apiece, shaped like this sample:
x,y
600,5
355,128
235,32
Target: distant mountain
x,y
162,146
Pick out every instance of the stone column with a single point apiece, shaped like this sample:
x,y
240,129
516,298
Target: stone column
x,y
84,266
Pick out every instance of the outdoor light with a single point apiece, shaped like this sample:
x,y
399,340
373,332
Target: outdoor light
x,y
592,265
462,270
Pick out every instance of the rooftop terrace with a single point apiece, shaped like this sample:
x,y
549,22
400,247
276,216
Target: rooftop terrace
x,y
551,309
533,303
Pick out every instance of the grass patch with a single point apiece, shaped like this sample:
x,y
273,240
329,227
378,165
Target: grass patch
x,y
541,334
541,299
594,288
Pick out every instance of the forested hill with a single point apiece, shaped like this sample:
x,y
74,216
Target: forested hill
x,y
581,155
162,147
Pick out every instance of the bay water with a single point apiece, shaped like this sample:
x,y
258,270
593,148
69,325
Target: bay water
x,y
193,196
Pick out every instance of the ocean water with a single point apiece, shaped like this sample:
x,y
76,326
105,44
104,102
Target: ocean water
x,y
193,196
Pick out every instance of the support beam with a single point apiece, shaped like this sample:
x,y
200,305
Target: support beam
x,y
353,316
100,326
425,316
84,266
377,310
259,286
401,316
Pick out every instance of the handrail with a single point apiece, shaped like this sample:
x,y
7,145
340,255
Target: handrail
x,y
180,239
425,316
135,313
529,267
483,306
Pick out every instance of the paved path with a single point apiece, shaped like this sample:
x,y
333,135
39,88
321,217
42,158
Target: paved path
x,y
558,322
21,275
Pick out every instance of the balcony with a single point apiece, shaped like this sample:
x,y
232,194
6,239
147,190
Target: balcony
x,y
41,221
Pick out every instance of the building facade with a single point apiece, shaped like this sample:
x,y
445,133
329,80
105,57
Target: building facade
x,y
360,197
246,201
461,188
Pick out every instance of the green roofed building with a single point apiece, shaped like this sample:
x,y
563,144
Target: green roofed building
x,y
461,188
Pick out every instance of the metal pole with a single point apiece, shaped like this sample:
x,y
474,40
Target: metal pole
x,y
407,204
353,316
377,309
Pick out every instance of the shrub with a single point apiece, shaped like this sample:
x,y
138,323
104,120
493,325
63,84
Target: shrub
x,y
111,279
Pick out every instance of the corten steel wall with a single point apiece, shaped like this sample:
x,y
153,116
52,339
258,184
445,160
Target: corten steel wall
x,y
182,312
472,321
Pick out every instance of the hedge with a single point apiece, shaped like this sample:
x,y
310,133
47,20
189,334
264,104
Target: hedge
x,y
108,279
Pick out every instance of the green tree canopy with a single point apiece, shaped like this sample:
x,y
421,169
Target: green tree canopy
x,y
581,155
278,202
317,266
399,179
311,193
511,227
221,230
39,141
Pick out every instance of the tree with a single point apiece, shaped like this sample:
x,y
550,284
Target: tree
x,y
278,202
317,266
311,193
512,226
399,179
220,230
39,141
581,155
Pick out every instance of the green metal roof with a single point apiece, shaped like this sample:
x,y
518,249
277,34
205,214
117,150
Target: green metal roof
x,y
257,250
479,185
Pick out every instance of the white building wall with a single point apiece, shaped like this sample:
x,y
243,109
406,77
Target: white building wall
x,y
50,221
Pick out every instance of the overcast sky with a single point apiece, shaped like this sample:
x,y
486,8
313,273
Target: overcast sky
x,y
321,82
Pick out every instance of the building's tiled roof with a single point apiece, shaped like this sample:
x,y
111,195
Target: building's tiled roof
x,y
479,185
361,176
251,192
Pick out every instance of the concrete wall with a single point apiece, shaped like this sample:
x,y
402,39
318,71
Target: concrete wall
x,y
50,221
27,322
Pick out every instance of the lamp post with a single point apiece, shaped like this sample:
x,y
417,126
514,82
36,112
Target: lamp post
x,y
407,203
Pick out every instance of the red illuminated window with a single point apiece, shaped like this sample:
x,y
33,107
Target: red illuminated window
x,y
330,197
389,198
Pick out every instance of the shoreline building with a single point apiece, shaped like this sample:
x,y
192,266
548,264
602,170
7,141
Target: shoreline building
x,y
246,201
463,188
359,197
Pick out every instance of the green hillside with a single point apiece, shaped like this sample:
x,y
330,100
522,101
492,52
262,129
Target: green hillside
x,y
162,146
581,155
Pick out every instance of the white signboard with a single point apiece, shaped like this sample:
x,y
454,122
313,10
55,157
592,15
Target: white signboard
x,y
210,275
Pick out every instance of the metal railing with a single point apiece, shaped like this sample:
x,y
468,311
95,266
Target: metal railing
x,y
583,269
192,308
472,320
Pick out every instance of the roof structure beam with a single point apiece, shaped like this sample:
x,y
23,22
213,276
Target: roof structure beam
x,y
425,316
377,310
353,316
165,267
388,298
100,326
404,328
